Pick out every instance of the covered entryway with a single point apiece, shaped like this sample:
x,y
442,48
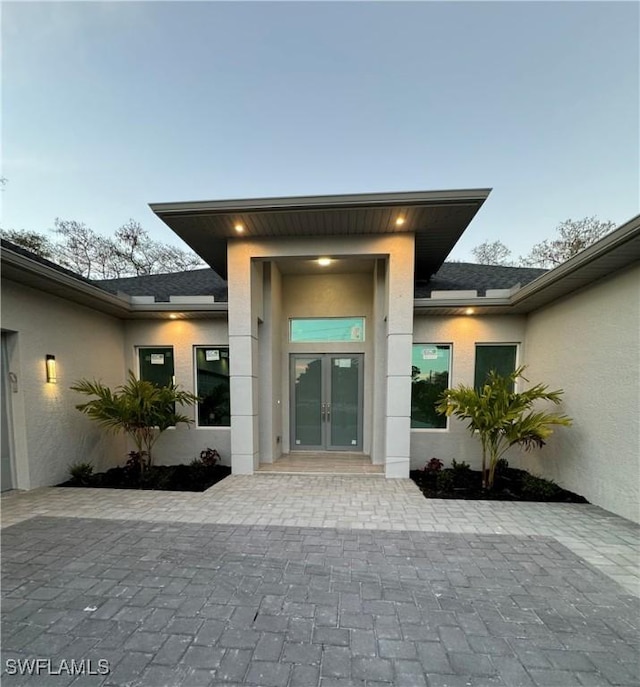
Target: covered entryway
x,y
316,258
326,402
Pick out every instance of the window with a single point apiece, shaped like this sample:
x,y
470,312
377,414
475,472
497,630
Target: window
x,y
324,329
498,357
212,386
156,365
430,370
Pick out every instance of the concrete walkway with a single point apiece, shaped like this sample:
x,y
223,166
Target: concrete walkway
x,y
609,543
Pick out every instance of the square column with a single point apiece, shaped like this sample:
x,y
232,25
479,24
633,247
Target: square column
x,y
245,303
398,369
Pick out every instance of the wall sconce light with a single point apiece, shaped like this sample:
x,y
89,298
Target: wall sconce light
x,y
52,377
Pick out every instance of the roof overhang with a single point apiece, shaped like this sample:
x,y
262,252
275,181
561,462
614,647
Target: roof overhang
x,y
437,218
612,254
22,269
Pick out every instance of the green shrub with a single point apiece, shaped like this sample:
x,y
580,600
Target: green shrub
x,y
445,481
81,472
460,468
138,408
501,417
538,488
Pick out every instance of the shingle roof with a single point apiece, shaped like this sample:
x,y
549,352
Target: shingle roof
x,y
462,276
204,282
452,276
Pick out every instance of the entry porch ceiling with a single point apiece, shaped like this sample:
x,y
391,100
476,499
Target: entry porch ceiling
x,y
437,218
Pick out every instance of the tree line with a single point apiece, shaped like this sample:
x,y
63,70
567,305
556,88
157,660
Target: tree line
x,y
130,252
572,236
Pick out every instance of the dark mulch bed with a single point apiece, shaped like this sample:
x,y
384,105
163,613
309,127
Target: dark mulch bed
x,y
161,477
460,482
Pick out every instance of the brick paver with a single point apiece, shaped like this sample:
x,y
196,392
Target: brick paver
x,y
610,543
178,603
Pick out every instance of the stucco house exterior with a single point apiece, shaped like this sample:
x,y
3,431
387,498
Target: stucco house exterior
x,y
329,324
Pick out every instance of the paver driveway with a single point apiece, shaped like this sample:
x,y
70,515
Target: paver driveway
x,y
208,603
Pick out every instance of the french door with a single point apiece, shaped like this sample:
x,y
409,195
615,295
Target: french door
x,y
326,401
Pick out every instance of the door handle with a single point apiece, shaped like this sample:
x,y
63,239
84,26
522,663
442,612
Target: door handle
x,y
328,412
323,411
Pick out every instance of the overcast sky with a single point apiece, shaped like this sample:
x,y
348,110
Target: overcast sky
x,y
110,106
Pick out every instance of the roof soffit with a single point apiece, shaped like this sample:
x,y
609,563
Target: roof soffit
x,y
437,218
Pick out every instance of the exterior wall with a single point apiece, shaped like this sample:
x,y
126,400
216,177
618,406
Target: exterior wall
x,y
49,434
184,443
588,344
463,332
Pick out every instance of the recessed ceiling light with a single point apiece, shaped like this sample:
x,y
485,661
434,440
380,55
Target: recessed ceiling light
x,y
399,221
239,228
324,262
469,311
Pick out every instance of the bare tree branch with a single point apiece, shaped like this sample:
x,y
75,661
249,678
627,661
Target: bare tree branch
x,y
130,252
492,253
574,237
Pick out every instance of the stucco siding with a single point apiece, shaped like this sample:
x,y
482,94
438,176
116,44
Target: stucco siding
x,y
184,443
49,433
589,346
463,333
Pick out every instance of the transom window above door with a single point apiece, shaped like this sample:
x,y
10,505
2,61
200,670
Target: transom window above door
x,y
326,329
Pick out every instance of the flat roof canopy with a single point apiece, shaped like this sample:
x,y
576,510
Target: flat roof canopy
x,y
437,218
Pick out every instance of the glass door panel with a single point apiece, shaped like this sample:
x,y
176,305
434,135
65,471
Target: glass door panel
x,y
344,418
307,402
326,402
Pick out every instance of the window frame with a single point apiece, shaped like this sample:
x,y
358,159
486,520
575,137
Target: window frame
x,y
447,419
196,388
142,347
487,344
360,341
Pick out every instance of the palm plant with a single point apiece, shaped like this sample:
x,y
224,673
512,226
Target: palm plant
x,y
138,408
503,417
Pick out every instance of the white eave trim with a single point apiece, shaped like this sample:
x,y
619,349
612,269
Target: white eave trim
x,y
37,269
164,306
324,202
615,239
479,302
119,304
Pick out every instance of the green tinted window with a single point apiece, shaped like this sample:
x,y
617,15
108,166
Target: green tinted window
x,y
498,357
156,365
324,329
212,386
430,370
